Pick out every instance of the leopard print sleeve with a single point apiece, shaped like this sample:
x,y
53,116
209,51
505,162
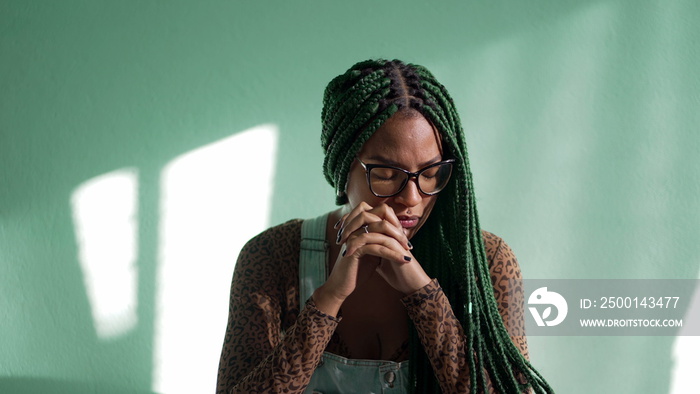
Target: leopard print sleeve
x,y
441,333
270,345
507,283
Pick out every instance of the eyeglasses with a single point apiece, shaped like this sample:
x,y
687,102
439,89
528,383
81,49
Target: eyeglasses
x,y
388,181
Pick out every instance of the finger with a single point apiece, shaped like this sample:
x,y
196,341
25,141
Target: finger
x,y
361,207
381,219
383,252
358,225
355,222
376,244
387,213
388,229
339,224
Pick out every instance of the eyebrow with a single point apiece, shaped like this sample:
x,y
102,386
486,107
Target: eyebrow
x,y
390,162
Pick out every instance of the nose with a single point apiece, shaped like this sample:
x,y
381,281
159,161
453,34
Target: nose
x,y
410,196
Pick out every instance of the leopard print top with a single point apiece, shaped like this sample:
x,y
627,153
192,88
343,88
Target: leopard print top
x,y
274,345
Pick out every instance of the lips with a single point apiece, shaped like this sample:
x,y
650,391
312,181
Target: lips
x,y
409,221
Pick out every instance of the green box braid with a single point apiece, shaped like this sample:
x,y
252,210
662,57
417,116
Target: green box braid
x,y
450,248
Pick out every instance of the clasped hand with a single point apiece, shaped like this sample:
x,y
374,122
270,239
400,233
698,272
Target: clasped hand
x,y
372,240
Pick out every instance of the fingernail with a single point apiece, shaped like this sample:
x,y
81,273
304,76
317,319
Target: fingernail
x,y
407,258
344,250
337,224
340,234
410,245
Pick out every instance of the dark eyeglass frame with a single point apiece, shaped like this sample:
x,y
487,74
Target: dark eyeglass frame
x,y
368,168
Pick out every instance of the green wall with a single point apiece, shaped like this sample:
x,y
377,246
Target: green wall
x,y
581,117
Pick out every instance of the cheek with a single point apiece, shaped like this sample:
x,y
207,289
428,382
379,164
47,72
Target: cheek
x,y
358,191
427,206
429,201
358,196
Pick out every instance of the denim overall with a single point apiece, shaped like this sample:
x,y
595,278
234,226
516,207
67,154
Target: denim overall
x,y
336,374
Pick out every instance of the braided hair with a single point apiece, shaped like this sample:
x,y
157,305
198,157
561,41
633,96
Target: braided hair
x,y
450,247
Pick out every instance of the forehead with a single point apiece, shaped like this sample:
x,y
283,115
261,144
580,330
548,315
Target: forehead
x,y
404,138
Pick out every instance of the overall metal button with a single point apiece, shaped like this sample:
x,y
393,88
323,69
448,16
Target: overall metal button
x,y
389,377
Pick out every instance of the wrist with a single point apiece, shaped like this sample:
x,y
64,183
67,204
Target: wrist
x,y
326,302
418,284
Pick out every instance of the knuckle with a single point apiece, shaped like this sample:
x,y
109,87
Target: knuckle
x,y
368,217
387,211
353,239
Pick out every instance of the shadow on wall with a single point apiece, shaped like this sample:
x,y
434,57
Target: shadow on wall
x,y
212,200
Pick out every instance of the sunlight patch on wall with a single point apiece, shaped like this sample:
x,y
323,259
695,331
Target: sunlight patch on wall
x,y
214,199
660,160
106,229
686,351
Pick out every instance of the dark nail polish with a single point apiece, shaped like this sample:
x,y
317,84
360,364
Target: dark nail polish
x,y
410,245
340,234
337,224
407,258
344,251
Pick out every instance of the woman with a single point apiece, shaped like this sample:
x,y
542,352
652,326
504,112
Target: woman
x,y
398,290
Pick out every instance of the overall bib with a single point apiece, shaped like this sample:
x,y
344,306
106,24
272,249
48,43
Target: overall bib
x,y
336,374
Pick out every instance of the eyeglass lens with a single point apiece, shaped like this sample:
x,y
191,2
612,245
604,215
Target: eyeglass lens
x,y
389,181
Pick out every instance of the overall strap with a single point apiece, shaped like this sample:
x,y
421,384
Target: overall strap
x,y
313,256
